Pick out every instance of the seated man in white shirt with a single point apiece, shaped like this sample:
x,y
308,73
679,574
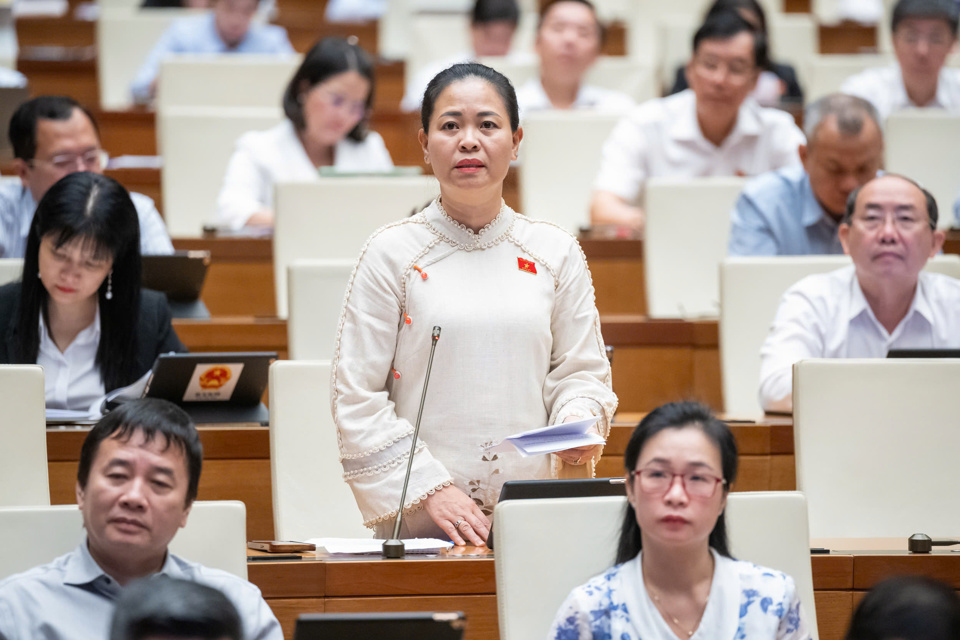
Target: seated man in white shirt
x,y
568,42
228,28
492,26
883,301
712,129
137,480
924,33
797,210
53,136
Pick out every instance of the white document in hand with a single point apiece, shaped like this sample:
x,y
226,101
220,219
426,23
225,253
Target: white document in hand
x,y
557,437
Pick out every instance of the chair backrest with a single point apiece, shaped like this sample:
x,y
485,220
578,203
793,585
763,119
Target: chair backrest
x,y
224,80
875,446
125,36
23,456
750,292
316,289
350,210
215,536
688,222
827,72
767,528
908,138
196,143
310,497
10,269
560,191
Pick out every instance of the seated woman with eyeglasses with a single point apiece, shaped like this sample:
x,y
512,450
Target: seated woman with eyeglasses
x,y
674,577
79,310
327,104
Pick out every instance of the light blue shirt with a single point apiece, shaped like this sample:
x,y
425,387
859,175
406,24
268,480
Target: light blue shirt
x,y
17,207
778,215
72,598
198,34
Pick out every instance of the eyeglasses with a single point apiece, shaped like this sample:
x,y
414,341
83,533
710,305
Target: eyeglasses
x,y
738,70
696,484
904,221
935,39
356,108
89,160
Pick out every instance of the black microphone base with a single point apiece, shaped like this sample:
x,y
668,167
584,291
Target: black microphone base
x,y
393,549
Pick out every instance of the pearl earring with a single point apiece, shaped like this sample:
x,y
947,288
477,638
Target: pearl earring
x,y
109,294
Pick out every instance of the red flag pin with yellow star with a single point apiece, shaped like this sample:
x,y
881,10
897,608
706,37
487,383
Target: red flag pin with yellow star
x,y
527,265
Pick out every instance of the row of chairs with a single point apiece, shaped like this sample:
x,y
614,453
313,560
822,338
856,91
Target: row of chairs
x,y
850,432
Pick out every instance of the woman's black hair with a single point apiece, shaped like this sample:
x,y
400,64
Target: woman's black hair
x,y
327,58
907,608
462,71
98,211
678,415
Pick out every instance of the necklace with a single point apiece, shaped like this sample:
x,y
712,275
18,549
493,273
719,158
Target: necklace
x,y
674,619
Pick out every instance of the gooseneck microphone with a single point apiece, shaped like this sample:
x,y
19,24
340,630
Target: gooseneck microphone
x,y
394,548
922,543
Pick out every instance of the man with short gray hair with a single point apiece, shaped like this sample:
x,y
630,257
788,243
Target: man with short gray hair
x,y
797,210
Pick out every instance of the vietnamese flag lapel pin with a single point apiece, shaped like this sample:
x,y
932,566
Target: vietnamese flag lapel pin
x,y
527,265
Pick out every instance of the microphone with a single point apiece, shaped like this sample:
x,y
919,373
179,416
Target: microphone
x,y
922,543
394,547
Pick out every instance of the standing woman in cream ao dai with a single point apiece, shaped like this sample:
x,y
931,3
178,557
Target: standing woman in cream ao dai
x,y
521,344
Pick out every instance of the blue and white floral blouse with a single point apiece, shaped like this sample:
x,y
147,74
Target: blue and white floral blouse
x,y
747,602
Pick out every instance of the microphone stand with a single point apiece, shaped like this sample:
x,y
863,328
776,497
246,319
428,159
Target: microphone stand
x,y
394,547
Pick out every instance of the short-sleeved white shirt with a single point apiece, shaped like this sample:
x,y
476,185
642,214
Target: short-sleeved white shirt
x,y
883,87
662,138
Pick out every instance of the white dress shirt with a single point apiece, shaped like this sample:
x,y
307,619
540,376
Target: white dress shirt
x,y
827,316
263,158
883,87
663,138
531,97
17,207
71,378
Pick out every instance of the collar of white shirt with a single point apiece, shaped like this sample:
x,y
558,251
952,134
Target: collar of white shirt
x,y
686,126
88,336
920,305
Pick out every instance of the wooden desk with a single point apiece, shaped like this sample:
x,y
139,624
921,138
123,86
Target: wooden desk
x,y
316,585
74,78
765,447
236,466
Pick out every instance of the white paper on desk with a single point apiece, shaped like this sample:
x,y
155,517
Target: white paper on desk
x,y
97,410
557,437
367,546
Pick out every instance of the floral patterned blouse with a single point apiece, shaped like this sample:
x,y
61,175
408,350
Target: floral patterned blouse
x,y
747,602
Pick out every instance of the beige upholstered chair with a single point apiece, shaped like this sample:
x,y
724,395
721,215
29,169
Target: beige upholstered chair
x,y
215,536
875,444
769,528
310,497
23,457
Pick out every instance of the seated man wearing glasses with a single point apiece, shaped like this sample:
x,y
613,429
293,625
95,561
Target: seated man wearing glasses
x,y
54,136
883,301
712,129
924,33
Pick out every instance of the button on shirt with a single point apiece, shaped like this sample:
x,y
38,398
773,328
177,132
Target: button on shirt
x,y
778,215
72,598
883,87
827,316
71,378
662,138
198,34
17,207
531,97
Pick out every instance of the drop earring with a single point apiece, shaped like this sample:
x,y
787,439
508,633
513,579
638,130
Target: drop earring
x,y
109,294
